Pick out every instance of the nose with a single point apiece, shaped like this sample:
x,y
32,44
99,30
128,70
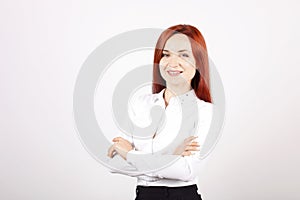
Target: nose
x,y
173,61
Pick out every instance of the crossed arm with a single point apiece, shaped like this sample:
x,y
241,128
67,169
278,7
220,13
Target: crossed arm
x,y
186,156
185,161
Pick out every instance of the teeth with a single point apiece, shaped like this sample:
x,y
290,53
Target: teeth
x,y
173,73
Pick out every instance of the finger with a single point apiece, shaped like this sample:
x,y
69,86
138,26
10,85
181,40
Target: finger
x,y
120,139
192,149
187,153
111,151
196,144
189,139
116,139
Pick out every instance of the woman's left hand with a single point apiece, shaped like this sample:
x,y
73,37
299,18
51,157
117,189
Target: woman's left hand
x,y
120,146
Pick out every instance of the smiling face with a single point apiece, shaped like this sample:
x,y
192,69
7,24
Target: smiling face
x,y
177,66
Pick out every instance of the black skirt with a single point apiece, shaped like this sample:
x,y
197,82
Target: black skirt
x,y
167,193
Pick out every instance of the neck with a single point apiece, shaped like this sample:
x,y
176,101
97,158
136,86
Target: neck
x,y
173,90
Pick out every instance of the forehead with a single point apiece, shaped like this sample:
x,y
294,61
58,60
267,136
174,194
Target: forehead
x,y
178,42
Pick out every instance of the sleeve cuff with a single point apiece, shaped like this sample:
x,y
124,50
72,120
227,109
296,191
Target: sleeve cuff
x,y
131,155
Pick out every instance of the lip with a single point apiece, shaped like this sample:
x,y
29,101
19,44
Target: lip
x,y
174,72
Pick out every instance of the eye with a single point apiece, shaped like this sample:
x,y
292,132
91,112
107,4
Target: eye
x,y
165,55
185,55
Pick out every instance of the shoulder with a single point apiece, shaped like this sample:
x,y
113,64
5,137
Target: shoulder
x,y
139,109
205,109
142,103
143,100
204,105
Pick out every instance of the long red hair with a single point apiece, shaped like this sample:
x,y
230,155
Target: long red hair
x,y
200,82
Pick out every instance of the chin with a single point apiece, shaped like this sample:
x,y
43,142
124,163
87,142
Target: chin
x,y
176,82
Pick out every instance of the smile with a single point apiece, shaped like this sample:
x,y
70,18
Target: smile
x,y
174,72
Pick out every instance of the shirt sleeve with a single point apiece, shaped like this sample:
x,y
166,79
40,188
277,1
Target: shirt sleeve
x,y
181,168
184,168
117,164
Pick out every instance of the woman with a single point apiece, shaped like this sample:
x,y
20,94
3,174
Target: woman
x,y
180,81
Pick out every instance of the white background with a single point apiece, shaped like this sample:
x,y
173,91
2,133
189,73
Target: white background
x,y
254,44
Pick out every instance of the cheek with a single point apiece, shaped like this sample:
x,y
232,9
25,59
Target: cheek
x,y
162,66
162,62
190,62
161,70
190,72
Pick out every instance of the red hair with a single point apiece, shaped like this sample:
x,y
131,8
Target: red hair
x,y
200,82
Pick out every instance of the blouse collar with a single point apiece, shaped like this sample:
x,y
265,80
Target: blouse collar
x,y
183,98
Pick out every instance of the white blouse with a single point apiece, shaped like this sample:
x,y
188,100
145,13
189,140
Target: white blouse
x,y
185,170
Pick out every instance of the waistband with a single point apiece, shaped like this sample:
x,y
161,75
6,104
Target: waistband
x,y
166,190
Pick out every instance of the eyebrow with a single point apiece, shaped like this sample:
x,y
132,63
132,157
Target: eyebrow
x,y
178,51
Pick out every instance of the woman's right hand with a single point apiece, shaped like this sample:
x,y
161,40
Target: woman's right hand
x,y
187,147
